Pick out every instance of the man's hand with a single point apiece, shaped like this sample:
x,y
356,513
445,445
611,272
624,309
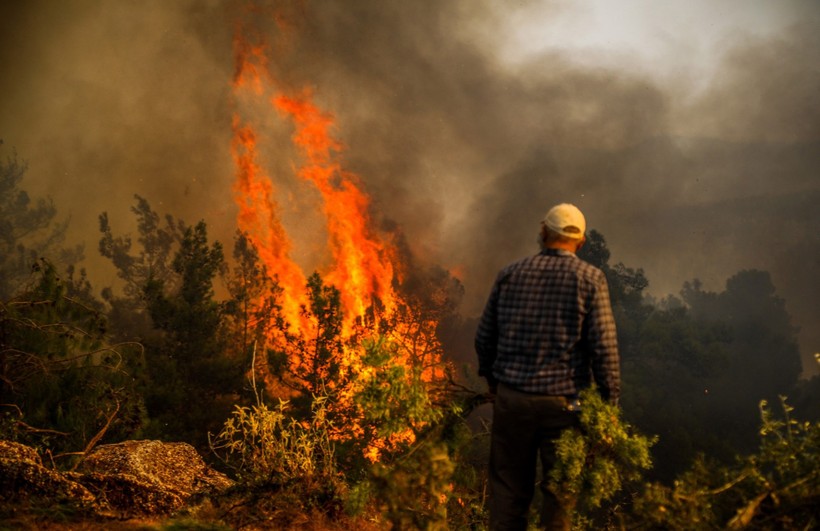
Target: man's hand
x,y
492,385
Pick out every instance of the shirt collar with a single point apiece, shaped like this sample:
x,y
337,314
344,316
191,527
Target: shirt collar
x,y
557,252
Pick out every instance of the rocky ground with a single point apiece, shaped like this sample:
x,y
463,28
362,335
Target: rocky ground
x,y
129,485
143,485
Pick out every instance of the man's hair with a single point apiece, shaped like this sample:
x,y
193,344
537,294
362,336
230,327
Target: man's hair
x,y
547,235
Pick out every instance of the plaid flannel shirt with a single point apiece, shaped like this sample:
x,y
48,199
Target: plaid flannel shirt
x,y
548,328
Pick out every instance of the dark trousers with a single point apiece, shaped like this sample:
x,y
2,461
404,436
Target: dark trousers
x,y
524,426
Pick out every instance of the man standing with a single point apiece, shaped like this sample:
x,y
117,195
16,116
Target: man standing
x,y
546,333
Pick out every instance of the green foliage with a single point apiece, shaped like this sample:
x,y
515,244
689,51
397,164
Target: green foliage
x,y
197,348
777,487
391,399
191,360
285,462
419,478
374,436
413,491
429,484
267,445
598,460
69,385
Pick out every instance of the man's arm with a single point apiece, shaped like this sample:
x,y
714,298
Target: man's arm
x,y
486,339
603,344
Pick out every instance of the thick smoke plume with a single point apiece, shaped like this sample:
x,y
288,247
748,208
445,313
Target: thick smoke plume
x,y
461,149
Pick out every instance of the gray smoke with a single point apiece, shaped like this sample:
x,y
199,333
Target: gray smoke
x,y
462,151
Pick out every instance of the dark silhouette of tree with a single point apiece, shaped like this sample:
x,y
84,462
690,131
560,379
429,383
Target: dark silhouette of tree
x,y
693,368
806,396
193,380
196,371
668,376
626,284
322,361
157,243
252,313
765,350
308,361
762,361
426,317
150,258
65,384
28,231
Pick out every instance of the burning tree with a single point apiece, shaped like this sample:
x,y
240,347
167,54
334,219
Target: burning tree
x,y
363,425
329,323
352,356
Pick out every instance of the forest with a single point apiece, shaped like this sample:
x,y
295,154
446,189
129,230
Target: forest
x,y
383,419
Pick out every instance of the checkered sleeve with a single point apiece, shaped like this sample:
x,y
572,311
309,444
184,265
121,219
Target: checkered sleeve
x,y
486,339
603,344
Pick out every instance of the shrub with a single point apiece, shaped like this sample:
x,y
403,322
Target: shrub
x,y
776,488
596,462
269,447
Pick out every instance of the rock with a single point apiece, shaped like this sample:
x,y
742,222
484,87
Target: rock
x,y
126,480
19,452
149,477
125,496
24,478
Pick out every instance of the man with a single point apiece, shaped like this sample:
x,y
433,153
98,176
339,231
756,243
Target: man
x,y
546,333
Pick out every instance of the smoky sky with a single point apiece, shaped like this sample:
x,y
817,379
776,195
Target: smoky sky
x,y
460,149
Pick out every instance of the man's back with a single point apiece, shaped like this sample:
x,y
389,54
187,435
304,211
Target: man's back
x,y
548,327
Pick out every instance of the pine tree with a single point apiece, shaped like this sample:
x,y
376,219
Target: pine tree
x,y
28,231
68,385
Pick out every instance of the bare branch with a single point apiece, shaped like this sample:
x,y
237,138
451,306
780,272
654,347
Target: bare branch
x,y
94,440
32,429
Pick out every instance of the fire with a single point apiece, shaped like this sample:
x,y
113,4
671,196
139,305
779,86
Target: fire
x,y
364,264
362,260
257,217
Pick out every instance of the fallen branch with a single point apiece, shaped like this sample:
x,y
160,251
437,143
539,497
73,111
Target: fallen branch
x,y
94,440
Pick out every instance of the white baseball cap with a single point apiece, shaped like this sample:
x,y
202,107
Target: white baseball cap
x,y
566,220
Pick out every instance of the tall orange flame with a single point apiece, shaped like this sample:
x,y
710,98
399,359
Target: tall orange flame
x,y
253,189
364,265
362,259
253,192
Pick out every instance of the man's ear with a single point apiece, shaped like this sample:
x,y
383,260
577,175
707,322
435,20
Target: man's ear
x,y
581,244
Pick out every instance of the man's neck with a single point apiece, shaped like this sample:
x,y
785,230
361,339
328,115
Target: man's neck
x,y
564,246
